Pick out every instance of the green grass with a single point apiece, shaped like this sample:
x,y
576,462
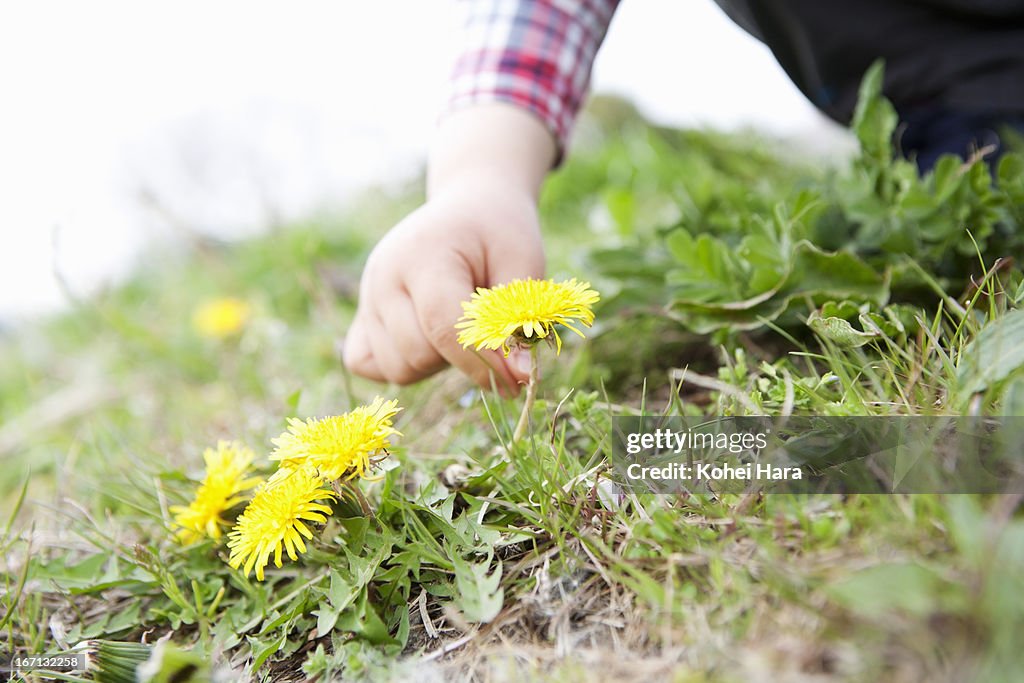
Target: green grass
x,y
497,561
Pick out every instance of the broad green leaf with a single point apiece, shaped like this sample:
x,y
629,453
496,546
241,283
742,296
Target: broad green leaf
x,y
363,621
874,119
839,330
341,593
621,204
835,275
888,588
995,354
816,276
1013,397
968,528
709,270
946,177
124,619
402,634
262,650
480,595
481,534
170,663
845,309
326,618
362,569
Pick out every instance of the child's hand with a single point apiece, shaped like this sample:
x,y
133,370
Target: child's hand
x,y
476,233
478,228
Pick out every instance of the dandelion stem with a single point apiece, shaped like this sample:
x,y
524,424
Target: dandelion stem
x,y
358,496
531,396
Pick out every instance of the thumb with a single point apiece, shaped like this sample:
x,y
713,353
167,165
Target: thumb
x,y
518,363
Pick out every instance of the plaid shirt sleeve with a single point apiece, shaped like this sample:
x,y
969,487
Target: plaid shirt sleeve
x,y
535,54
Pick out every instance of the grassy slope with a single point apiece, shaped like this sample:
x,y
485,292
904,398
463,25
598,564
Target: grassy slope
x,y
519,563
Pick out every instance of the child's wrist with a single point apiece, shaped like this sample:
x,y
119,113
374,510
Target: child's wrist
x,y
491,142
481,182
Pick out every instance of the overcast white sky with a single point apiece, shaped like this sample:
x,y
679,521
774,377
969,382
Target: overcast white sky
x,y
219,108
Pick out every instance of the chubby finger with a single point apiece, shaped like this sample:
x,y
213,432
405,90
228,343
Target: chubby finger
x,y
406,354
437,296
357,354
385,354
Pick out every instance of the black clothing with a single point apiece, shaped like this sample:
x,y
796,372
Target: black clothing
x,y
964,55
954,69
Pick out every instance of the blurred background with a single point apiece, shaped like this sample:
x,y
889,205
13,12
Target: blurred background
x,y
126,126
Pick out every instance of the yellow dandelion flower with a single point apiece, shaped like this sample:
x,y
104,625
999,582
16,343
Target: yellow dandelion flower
x,y
221,318
341,445
227,470
523,311
275,518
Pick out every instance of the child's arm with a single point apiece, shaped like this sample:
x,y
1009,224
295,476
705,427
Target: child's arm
x,y
512,107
